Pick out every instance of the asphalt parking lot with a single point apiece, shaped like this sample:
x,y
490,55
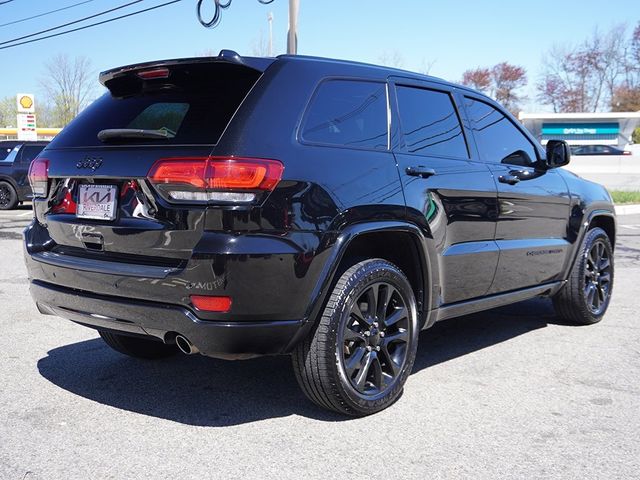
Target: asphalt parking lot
x,y
510,393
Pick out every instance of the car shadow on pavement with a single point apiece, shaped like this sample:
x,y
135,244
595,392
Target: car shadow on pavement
x,y
202,391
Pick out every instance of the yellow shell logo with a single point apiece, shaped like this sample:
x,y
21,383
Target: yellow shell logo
x,y
26,102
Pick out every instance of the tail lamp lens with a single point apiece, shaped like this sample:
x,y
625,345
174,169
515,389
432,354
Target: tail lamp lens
x,y
39,176
211,304
215,179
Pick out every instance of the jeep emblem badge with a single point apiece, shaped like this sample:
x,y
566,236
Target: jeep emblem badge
x,y
90,162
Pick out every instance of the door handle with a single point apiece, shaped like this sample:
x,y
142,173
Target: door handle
x,y
420,171
509,179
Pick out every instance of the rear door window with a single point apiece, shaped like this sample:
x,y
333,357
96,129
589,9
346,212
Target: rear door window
x,y
430,123
348,113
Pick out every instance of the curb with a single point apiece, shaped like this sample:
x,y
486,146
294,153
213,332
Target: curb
x,y
627,209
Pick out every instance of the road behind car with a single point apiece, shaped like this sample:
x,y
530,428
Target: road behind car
x,y
506,393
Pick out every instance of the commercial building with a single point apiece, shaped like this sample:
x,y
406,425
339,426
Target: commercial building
x,y
610,128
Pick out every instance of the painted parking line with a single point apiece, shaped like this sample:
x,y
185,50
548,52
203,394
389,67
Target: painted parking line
x,y
631,227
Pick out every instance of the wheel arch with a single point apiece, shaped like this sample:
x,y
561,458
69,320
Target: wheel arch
x,y
602,218
354,242
607,222
10,180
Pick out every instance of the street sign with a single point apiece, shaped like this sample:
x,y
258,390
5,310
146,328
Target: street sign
x,y
27,126
25,103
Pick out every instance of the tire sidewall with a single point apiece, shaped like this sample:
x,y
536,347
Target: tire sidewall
x,y
13,196
369,273
594,235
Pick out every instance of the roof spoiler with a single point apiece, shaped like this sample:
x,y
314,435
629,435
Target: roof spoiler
x,y
259,64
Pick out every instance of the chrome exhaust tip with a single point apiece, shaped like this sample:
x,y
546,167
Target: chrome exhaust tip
x,y
185,345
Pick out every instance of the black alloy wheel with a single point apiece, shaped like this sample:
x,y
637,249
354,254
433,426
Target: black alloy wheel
x,y
586,295
374,340
8,196
363,348
597,280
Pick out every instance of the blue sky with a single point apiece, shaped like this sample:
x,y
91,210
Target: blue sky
x,y
450,36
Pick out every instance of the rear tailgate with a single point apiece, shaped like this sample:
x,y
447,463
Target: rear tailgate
x,y
98,198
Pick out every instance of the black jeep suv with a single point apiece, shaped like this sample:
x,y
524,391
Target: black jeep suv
x,y
15,158
325,209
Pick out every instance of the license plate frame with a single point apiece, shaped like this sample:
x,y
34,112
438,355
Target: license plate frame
x,y
97,201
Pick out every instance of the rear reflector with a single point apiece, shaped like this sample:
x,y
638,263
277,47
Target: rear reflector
x,y
39,177
215,179
211,304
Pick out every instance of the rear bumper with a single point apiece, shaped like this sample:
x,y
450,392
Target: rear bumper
x,y
213,338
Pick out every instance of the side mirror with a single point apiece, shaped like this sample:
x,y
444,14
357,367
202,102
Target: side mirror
x,y
558,154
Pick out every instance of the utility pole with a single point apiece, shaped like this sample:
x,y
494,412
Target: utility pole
x,y
270,20
292,37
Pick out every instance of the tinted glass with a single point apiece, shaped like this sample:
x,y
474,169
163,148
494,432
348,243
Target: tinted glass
x,y
348,113
6,149
430,123
196,102
161,116
498,140
29,152
8,154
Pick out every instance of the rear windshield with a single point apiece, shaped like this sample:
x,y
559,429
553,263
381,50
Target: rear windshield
x,y
194,107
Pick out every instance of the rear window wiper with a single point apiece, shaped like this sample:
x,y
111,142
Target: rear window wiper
x,y
112,133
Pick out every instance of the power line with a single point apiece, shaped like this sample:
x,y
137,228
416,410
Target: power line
x,y
90,25
45,13
6,1
120,7
218,6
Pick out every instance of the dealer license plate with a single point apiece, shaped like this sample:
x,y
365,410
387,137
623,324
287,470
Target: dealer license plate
x,y
97,201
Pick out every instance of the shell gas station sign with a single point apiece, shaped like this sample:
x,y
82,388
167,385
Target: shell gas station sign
x,y
26,118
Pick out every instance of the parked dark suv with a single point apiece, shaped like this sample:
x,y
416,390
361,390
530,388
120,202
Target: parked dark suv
x,y
325,209
15,158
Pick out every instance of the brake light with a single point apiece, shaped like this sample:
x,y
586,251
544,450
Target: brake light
x,y
155,73
211,304
39,177
215,179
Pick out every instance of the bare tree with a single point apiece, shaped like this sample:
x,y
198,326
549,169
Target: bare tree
x,y
207,52
391,58
625,99
426,66
568,80
502,82
69,85
260,46
478,78
7,111
586,77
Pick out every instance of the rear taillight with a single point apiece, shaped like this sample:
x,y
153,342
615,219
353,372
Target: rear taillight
x,y
39,177
215,179
626,152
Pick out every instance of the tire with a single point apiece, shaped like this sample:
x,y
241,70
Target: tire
x,y
8,196
585,297
357,361
138,347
